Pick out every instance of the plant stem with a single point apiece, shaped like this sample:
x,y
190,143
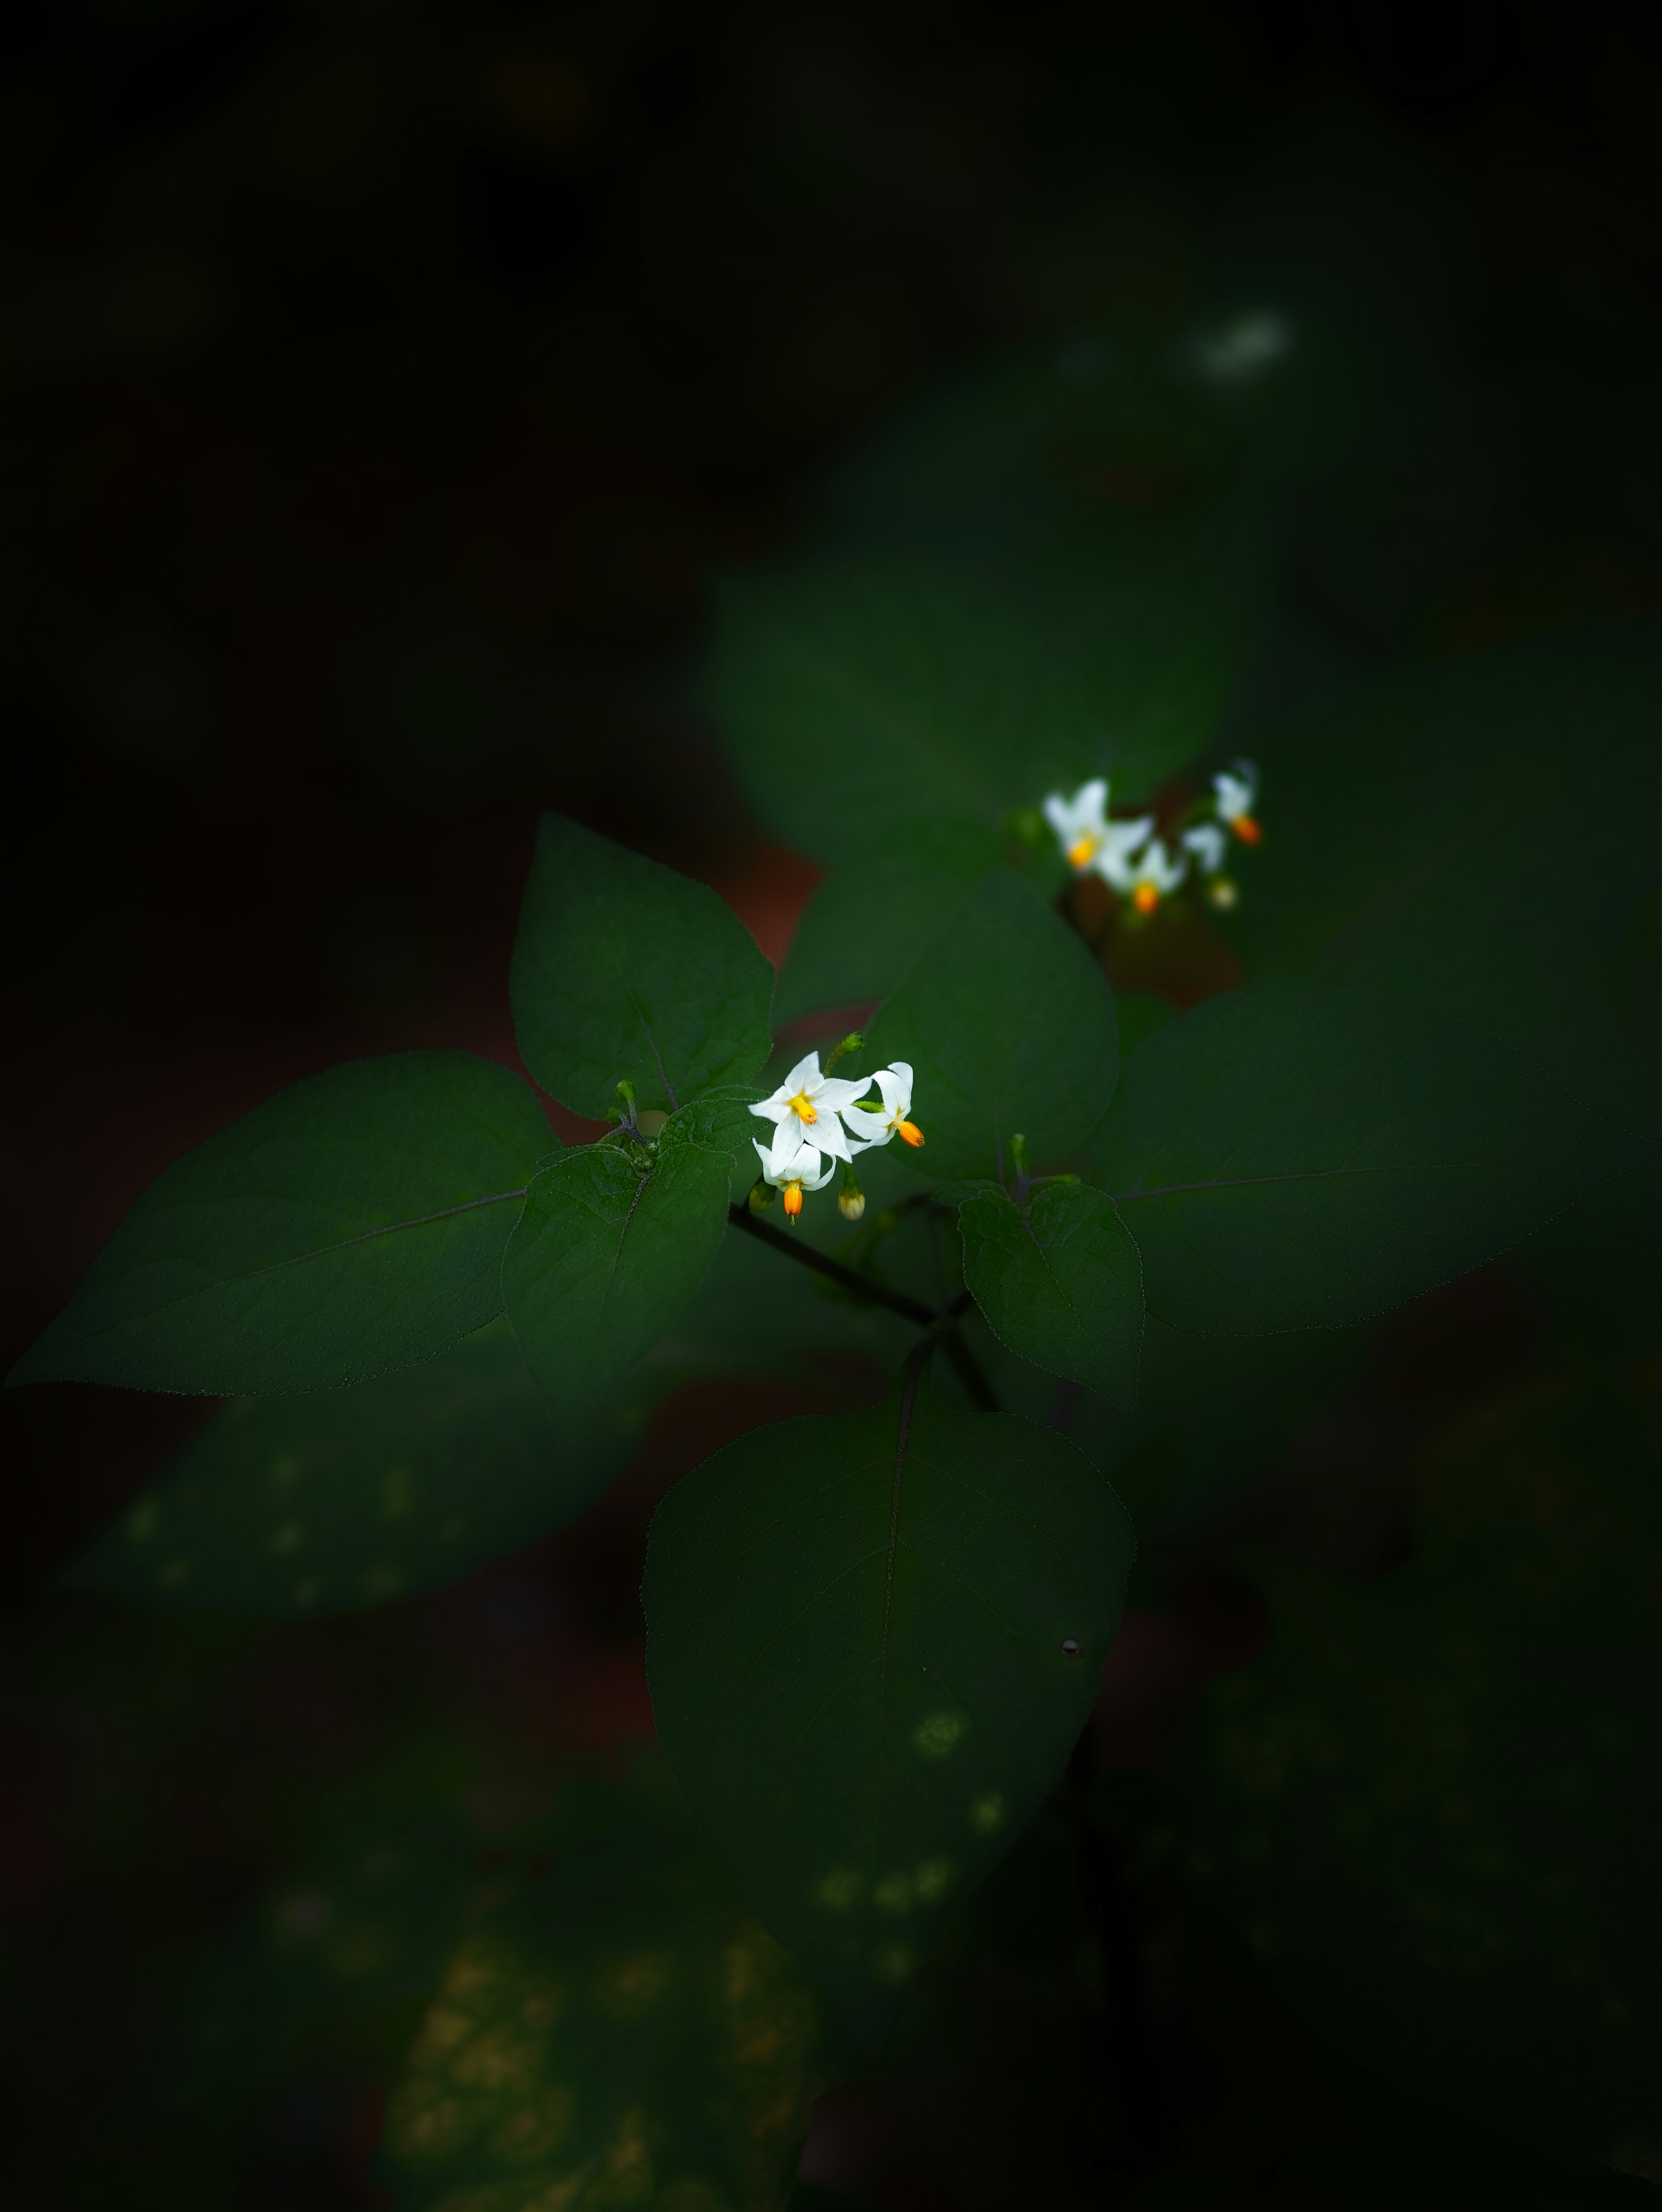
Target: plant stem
x,y
941,1322
861,1287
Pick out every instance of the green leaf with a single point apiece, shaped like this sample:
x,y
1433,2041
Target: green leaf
x,y
851,697
1431,1805
1493,871
612,1246
872,1641
614,2031
355,1223
346,1497
1010,1028
1059,1283
1298,1159
625,971
871,918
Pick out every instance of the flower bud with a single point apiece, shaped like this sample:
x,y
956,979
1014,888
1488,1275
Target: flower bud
x,y
761,1197
1222,892
850,1200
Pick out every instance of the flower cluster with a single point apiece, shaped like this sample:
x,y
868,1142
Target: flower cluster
x,y
820,1118
1133,861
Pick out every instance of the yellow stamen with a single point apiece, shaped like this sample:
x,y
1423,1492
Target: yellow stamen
x,y
1246,829
1145,898
793,1199
801,1107
909,1131
1078,855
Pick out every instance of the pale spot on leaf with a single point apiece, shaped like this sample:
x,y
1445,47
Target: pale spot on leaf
x,y
893,1894
176,1571
144,1521
840,1890
986,1813
933,1880
938,1736
289,1538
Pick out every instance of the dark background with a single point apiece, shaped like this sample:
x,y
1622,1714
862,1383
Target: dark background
x,y
384,384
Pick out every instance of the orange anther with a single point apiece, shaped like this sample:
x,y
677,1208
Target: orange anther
x,y
802,1108
909,1131
1145,898
1078,855
1246,829
793,1199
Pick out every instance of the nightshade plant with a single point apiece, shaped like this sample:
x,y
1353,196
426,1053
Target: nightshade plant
x,y
874,1637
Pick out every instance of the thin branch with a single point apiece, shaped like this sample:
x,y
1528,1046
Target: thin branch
x,y
976,1385
861,1286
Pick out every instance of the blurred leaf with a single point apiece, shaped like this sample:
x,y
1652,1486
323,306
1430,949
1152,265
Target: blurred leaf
x,y
1298,1159
1432,1806
615,2030
1059,1283
1010,1028
316,1504
353,1223
1469,835
855,697
851,697
872,916
612,1246
872,1641
624,970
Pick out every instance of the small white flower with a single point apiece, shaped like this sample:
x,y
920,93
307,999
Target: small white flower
x,y
807,1104
1154,873
875,1124
1087,836
1244,348
1209,844
793,1168
1236,788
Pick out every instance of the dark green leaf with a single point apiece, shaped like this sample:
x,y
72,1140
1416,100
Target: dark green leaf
x,y
1495,870
871,918
851,697
353,1223
624,971
1010,1028
1431,1806
315,1504
615,2031
1059,1283
612,1245
1298,1159
859,1642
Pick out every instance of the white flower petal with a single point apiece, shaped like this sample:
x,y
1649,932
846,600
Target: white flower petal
x,y
1206,840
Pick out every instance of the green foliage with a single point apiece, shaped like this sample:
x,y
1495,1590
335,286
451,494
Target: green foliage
x,y
1297,1159
613,1243
1457,836
1009,1029
1059,1283
869,920
625,971
919,695
353,1223
302,1505
872,1641
614,2030
1432,1805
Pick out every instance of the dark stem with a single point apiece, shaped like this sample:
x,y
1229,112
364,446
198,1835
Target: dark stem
x,y
861,1287
941,1324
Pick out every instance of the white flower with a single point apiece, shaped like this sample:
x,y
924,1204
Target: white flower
x,y
1154,873
806,1106
1245,347
875,1124
1236,790
793,1168
1208,842
1087,836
